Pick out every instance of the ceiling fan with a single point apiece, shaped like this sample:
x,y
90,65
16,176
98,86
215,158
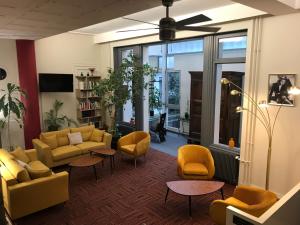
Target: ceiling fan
x,y
168,26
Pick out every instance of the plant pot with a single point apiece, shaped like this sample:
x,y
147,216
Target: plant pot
x,y
53,128
151,112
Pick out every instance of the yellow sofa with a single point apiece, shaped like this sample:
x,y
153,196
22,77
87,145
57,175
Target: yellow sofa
x,y
195,162
54,148
23,195
135,144
252,200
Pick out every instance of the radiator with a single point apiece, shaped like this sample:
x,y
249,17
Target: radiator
x,y
227,167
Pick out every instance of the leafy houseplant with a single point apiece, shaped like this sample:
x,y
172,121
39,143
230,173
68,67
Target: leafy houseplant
x,y
54,121
12,106
123,84
154,100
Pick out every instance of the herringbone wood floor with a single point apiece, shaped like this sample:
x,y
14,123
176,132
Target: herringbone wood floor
x,y
129,196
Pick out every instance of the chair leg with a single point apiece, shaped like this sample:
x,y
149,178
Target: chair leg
x,y
145,157
134,162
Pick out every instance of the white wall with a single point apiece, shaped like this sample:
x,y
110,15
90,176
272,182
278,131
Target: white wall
x,y
280,53
66,53
9,62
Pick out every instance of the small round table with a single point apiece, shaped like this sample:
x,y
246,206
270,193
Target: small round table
x,y
107,152
193,188
85,161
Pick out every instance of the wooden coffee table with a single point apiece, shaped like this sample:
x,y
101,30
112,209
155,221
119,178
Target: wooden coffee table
x,y
194,188
107,152
86,161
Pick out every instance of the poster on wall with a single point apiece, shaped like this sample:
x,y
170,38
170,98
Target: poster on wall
x,y
279,85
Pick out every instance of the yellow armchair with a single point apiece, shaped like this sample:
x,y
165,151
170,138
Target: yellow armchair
x,y
195,162
252,200
135,144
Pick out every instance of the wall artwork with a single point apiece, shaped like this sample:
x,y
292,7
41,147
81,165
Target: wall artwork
x,y
279,85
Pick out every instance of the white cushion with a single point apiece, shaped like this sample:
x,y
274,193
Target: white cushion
x,y
21,163
75,138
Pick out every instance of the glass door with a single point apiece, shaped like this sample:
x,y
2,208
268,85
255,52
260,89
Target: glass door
x,y
173,100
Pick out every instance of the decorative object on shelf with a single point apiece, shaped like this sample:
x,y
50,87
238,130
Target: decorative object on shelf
x,y
122,84
231,143
261,112
92,70
54,121
11,107
2,74
279,84
81,74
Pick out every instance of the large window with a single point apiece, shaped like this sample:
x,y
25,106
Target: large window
x,y
230,64
174,62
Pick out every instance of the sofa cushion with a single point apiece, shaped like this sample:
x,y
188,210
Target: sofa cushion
x,y
97,135
4,154
90,145
75,138
62,137
85,131
17,170
37,169
128,148
20,154
50,140
65,152
195,169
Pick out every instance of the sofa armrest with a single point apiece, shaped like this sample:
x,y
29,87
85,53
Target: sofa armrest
x,y
31,196
43,151
32,154
107,137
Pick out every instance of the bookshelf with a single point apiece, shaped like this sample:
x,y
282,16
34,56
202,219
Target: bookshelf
x,y
89,110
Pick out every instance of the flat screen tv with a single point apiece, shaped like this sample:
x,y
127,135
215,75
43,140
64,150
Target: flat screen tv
x,y
50,82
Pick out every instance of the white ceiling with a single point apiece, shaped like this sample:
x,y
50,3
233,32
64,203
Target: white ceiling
x,y
179,8
33,19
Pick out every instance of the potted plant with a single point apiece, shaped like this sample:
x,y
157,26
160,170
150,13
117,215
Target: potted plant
x,y
154,100
11,107
122,84
54,121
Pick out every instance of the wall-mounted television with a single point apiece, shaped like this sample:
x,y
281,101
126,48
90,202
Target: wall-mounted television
x,y
50,82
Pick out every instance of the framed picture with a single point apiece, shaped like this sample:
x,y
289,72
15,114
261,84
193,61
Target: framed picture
x,y
279,85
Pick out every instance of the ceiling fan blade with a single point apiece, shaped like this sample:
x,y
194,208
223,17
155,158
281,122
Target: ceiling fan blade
x,y
205,29
192,20
120,31
126,18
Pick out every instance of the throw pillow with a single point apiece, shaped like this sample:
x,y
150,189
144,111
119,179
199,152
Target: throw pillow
x,y
21,163
97,135
75,138
20,154
51,141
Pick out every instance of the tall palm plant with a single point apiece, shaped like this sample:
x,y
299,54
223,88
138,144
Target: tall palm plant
x,y
12,107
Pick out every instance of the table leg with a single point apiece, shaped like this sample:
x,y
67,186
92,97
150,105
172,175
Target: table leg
x,y
222,193
111,164
167,195
190,206
70,169
95,172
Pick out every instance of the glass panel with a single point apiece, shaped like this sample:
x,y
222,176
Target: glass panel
x,y
227,121
128,108
173,118
183,47
173,88
232,47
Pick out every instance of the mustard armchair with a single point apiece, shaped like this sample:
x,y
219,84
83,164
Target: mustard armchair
x,y
134,144
252,200
195,162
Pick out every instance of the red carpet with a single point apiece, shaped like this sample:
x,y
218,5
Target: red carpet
x,y
129,196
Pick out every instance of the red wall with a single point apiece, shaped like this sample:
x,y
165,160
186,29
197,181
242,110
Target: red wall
x,y
28,82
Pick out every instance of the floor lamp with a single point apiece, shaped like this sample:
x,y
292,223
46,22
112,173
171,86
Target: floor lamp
x,y
261,112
